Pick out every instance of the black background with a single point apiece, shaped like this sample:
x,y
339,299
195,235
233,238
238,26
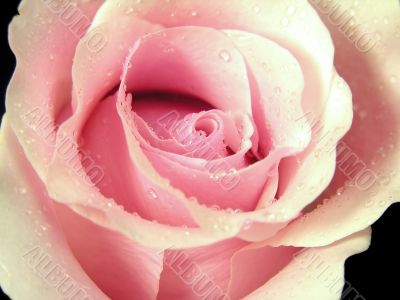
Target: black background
x,y
375,274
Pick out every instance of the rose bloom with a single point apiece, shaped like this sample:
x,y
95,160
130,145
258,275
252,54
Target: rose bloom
x,y
163,149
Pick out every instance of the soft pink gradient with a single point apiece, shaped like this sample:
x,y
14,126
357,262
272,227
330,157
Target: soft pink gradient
x,y
239,75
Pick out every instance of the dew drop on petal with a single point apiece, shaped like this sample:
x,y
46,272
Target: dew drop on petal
x,y
225,55
285,21
247,225
291,10
277,90
152,194
340,191
386,21
271,217
129,10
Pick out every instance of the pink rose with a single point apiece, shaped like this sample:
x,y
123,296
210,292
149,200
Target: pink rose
x,y
161,149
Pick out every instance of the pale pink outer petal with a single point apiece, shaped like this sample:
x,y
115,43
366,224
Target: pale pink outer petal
x,y
34,255
314,273
254,265
302,178
373,141
44,45
121,268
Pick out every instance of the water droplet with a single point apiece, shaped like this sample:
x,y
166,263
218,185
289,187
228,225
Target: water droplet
x,y
378,36
169,50
22,190
193,200
382,203
386,21
225,55
393,79
271,217
362,114
247,225
226,227
373,193
186,231
285,21
256,9
384,180
215,207
129,10
291,10
340,191
194,13
152,194
214,176
277,90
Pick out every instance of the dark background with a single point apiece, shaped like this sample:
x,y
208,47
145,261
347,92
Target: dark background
x,y
374,274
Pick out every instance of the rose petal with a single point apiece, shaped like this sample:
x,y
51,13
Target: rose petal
x,y
103,69
175,60
305,37
254,265
122,181
43,40
316,273
33,250
118,266
219,221
277,87
304,177
198,273
369,162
